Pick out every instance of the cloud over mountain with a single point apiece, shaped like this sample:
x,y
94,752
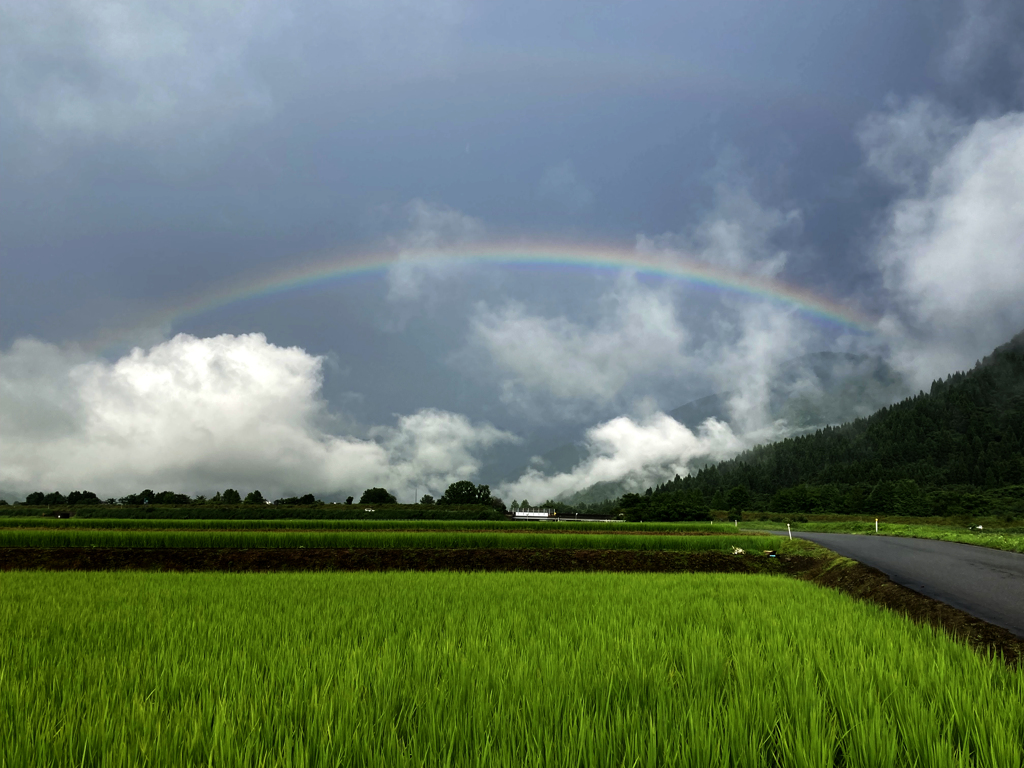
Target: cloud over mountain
x,y
633,452
951,252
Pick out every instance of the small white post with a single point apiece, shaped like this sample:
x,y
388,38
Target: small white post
x,y
790,530
876,525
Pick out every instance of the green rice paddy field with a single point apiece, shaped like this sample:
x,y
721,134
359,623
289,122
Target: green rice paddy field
x,y
387,539
484,669
519,526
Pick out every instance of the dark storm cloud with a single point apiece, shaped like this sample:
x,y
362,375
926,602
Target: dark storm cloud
x,y
153,150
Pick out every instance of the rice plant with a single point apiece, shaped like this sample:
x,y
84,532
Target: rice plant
x,y
414,669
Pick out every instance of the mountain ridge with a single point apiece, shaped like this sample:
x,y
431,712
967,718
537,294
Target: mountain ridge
x,y
811,391
968,429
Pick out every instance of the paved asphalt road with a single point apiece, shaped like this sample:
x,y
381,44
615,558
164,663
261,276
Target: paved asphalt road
x,y
987,583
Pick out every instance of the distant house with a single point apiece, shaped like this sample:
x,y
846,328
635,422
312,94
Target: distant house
x,y
535,513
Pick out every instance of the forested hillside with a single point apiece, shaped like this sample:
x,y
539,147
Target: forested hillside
x,y
968,430
807,392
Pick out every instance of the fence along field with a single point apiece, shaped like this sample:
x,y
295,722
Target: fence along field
x,y
411,669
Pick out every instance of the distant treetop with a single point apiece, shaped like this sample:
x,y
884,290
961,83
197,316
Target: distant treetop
x,y
377,496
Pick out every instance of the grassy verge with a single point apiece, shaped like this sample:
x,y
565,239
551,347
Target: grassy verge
x,y
408,669
1010,539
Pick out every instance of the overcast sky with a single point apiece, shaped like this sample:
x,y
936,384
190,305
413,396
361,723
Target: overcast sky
x,y
871,153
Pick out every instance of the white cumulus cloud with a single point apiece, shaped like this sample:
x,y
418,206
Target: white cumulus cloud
x,y
902,144
636,453
749,358
746,356
429,230
952,249
738,234
197,415
579,365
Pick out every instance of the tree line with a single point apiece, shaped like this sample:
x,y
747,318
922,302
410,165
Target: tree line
x,y
166,498
459,493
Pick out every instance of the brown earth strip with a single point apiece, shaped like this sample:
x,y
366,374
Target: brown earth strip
x,y
873,586
393,530
313,559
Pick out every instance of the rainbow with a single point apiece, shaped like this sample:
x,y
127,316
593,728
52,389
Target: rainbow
x,y
592,258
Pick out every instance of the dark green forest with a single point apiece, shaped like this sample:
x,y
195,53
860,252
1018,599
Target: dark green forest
x,y
462,501
952,450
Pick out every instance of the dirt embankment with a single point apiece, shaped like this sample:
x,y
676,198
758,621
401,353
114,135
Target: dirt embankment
x,y
873,586
815,564
310,559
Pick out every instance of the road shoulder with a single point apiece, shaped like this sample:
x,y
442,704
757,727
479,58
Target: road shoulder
x,y
871,585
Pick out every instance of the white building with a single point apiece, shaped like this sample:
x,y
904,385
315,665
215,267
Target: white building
x,y
534,513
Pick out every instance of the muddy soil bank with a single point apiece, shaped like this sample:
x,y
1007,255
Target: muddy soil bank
x,y
873,586
311,559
